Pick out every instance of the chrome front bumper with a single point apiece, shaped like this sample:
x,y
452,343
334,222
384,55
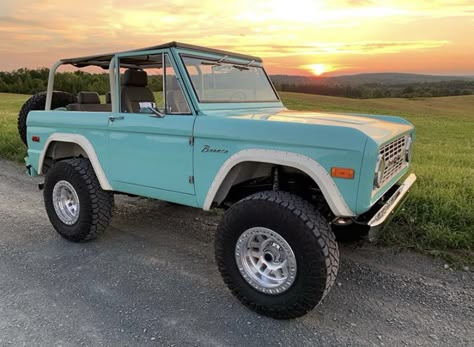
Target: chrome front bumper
x,y
371,222
388,209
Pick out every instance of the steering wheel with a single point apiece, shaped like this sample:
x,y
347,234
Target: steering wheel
x,y
238,96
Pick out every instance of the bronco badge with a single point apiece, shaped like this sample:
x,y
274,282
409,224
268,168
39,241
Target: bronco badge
x,y
209,149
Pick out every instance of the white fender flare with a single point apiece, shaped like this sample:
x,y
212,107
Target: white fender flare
x,y
84,143
307,165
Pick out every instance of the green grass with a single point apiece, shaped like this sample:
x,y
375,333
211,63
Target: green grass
x,y
11,146
438,218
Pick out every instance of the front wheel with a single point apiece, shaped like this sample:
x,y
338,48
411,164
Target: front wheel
x,y
75,203
277,254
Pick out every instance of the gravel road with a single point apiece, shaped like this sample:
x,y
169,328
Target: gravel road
x,y
152,280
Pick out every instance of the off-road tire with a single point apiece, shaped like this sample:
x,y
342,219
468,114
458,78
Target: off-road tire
x,y
303,228
38,102
96,205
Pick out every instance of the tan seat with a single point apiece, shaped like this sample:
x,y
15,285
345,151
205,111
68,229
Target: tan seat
x,y
89,102
175,100
135,90
88,98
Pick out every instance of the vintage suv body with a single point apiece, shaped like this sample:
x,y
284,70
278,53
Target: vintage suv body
x,y
218,135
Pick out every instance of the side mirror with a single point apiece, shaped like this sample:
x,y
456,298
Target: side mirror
x,y
150,107
156,112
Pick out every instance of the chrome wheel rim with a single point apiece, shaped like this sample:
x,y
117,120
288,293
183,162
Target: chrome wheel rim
x,y
66,202
265,260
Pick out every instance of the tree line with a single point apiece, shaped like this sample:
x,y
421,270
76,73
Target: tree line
x,y
31,81
379,90
28,81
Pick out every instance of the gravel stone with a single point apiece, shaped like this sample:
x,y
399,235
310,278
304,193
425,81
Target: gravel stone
x,y
158,257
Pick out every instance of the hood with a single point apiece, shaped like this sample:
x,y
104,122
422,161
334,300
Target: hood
x,y
379,128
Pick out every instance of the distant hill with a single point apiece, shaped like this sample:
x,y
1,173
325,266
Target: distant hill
x,y
377,85
386,78
363,86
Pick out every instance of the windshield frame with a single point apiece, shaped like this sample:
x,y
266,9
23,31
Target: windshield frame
x,y
231,61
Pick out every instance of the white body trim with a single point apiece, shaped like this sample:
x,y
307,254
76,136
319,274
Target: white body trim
x,y
88,149
309,166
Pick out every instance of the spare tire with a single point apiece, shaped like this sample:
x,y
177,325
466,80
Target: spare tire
x,y
38,102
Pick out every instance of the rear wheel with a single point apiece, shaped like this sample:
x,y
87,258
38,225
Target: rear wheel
x,y
76,205
277,254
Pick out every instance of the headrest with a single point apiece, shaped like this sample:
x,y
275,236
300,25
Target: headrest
x,y
88,98
135,78
108,98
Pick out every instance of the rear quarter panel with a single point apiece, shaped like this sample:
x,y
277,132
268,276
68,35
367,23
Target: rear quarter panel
x,y
92,125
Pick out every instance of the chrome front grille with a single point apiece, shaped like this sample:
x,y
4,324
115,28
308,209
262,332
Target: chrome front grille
x,y
395,158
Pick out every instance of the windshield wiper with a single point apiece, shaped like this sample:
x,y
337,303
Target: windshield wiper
x,y
240,67
210,63
223,58
251,62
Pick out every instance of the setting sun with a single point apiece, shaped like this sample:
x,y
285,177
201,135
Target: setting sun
x,y
317,69
308,37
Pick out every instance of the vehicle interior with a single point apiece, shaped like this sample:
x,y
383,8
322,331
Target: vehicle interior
x,y
136,93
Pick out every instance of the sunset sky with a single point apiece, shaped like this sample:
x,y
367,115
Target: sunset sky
x,y
297,37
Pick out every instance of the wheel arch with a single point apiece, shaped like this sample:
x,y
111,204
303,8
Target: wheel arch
x,y
248,163
61,145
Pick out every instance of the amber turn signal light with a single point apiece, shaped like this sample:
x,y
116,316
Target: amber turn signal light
x,y
341,172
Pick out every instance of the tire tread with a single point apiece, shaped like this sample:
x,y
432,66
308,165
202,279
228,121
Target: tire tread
x,y
324,239
37,102
101,201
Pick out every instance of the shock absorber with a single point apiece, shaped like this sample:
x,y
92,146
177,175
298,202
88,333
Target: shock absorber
x,y
276,182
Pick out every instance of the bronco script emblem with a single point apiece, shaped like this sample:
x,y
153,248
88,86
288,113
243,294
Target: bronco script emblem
x,y
209,149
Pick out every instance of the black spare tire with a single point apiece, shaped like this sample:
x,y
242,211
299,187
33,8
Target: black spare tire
x,y
37,102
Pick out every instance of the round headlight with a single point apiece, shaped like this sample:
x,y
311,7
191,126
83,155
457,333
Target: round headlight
x,y
408,151
379,169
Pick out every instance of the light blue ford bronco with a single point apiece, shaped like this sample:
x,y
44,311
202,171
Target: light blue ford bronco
x,y
206,128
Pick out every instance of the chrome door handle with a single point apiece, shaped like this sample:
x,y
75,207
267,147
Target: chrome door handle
x,y
114,118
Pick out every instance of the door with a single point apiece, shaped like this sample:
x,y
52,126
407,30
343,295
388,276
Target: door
x,y
152,152
150,147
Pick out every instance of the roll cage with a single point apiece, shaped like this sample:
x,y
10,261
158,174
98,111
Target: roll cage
x,y
107,62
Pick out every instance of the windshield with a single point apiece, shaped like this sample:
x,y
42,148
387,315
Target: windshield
x,y
221,81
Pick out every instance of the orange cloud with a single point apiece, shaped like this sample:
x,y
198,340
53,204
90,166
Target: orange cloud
x,y
340,33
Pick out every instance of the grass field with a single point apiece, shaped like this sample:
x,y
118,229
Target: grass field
x,y
11,146
439,216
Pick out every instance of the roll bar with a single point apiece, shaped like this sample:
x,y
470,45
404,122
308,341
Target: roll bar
x,y
50,89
